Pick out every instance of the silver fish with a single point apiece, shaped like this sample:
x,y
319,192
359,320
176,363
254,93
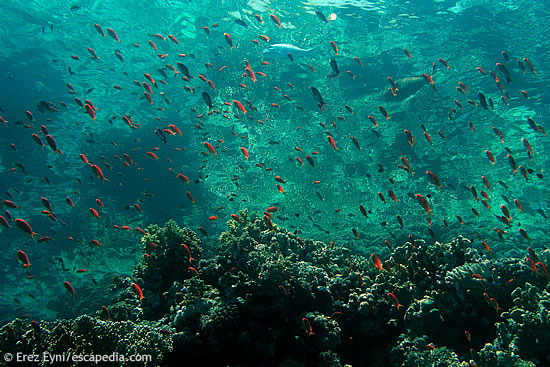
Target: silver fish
x,y
282,50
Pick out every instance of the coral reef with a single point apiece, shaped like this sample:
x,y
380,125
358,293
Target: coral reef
x,y
269,297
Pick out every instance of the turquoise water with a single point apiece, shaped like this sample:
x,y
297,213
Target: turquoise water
x,y
282,126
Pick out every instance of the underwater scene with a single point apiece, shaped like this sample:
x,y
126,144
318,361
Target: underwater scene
x,y
275,183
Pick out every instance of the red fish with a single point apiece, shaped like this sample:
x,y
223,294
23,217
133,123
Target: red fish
x,y
409,137
376,262
394,300
239,106
434,179
99,30
245,152
407,53
372,119
334,47
331,142
275,20
490,156
113,34
530,65
188,252
190,197
46,203
94,213
98,172
228,40
384,112
173,39
52,144
137,291
25,227
355,142
69,287
422,200
486,182
210,148
22,256
518,204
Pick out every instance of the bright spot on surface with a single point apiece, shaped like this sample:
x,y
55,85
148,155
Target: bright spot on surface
x,y
333,16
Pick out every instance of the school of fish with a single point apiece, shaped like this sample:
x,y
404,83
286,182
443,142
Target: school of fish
x,y
154,126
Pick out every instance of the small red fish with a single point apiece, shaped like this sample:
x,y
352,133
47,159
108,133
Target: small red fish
x,y
245,152
137,291
228,40
334,47
94,213
239,106
384,112
210,148
113,34
99,30
490,156
376,262
22,256
25,227
395,300
275,20
69,287
331,142
422,200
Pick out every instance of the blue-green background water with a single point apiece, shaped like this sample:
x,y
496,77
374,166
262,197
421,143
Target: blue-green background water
x,y
38,40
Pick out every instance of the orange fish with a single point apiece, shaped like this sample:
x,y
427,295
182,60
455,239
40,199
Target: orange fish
x,y
69,287
245,152
137,291
228,40
434,179
373,120
99,30
173,39
394,300
22,256
376,262
331,142
409,137
422,200
210,148
98,172
113,34
188,252
94,213
334,47
275,20
383,112
239,106
490,156
25,227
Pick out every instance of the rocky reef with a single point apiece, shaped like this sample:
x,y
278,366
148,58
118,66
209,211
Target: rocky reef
x,y
268,297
